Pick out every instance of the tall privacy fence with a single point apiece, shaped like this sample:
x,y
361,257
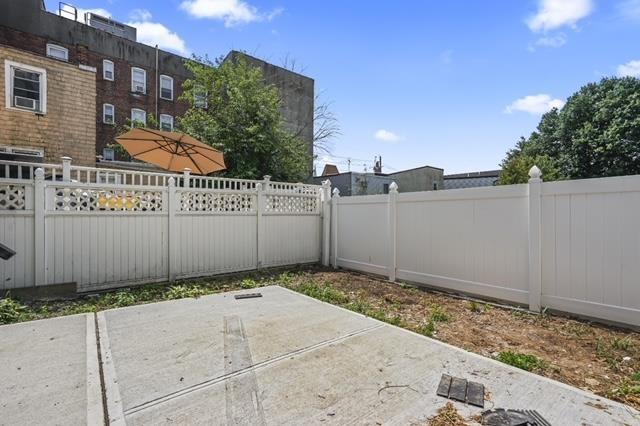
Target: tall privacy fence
x,y
101,228
571,246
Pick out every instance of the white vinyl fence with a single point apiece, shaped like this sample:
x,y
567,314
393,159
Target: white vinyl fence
x,y
103,228
571,246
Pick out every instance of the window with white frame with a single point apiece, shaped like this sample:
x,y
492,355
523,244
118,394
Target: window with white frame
x,y
108,154
25,87
166,122
108,114
57,52
166,87
138,118
138,80
200,97
108,71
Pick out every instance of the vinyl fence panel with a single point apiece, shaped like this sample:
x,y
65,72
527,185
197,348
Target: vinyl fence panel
x,y
571,246
102,228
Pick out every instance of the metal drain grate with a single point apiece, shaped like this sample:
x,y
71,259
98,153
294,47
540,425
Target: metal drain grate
x,y
247,295
461,390
504,417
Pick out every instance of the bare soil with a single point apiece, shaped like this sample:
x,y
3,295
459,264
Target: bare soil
x,y
597,358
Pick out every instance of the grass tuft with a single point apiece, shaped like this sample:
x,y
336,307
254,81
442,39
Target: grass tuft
x,y
324,292
522,361
12,311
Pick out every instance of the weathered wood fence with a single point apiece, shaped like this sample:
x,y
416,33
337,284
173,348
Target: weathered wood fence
x,y
102,228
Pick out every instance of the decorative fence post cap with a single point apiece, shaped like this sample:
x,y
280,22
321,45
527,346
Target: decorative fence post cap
x,y
535,172
336,192
65,158
39,173
259,186
171,181
187,170
393,187
326,183
267,177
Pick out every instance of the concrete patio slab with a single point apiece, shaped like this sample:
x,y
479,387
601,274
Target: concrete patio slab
x,y
49,372
283,358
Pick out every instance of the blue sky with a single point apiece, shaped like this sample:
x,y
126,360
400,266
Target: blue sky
x,y
452,84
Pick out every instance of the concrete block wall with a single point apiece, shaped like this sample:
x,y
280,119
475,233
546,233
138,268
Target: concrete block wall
x,y
69,126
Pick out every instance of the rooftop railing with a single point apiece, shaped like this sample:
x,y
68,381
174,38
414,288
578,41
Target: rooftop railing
x,y
67,172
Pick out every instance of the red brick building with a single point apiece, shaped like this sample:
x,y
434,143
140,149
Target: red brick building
x,y
129,75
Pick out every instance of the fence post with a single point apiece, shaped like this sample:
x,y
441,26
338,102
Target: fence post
x,y
172,205
535,225
326,221
393,199
259,224
334,224
39,206
186,180
66,169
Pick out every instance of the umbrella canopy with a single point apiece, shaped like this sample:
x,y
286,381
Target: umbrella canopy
x,y
171,151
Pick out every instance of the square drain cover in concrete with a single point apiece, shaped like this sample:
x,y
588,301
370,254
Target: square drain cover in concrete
x,y
461,390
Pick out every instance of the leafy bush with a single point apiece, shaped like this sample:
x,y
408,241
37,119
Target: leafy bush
x,y
522,361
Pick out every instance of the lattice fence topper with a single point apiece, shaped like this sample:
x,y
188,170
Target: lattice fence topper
x,y
12,197
291,204
80,199
216,202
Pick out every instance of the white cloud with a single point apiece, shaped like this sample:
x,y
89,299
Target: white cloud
x,y
552,40
387,136
232,12
534,104
554,14
140,15
630,69
630,9
153,33
68,12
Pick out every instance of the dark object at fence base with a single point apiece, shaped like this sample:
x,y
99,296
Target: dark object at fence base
x,y
503,417
247,295
6,253
461,390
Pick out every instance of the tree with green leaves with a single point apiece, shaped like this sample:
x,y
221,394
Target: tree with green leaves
x,y
235,111
595,134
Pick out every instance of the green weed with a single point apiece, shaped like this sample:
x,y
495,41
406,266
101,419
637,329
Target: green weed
x,y
439,314
119,299
183,291
522,361
248,283
12,311
428,329
325,292
621,343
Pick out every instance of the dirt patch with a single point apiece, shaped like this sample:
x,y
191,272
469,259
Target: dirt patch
x,y
447,416
597,358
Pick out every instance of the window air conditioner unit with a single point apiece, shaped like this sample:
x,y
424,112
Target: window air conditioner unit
x,y
26,103
139,89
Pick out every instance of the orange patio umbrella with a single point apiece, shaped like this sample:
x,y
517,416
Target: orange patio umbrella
x,y
171,151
